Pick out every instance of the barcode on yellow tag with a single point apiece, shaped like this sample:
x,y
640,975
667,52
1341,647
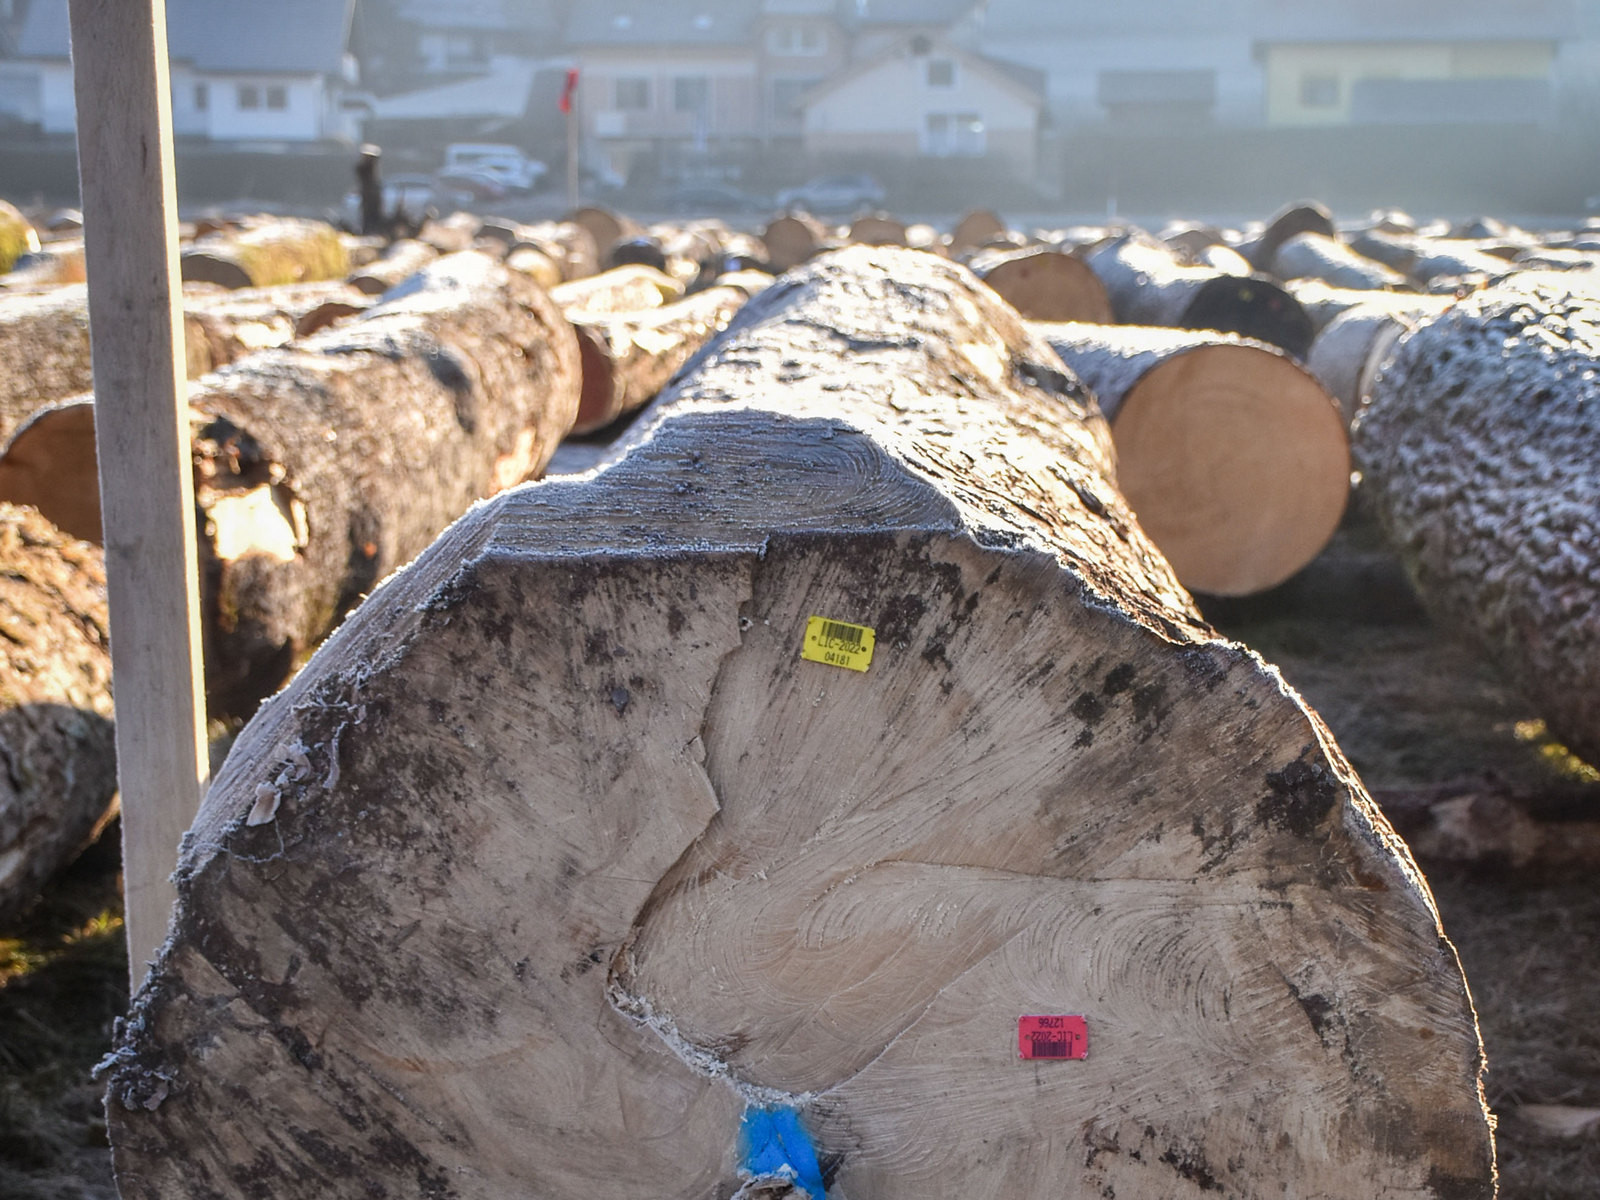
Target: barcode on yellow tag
x,y
838,643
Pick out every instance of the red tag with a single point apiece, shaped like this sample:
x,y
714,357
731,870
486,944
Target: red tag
x,y
1052,1037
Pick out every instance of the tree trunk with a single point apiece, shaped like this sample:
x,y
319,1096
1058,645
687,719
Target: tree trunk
x,y
1147,286
1233,456
1314,256
400,261
629,357
567,859
59,778
1045,285
1479,451
619,290
278,251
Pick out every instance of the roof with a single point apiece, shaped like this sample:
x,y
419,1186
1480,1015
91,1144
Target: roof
x,y
1288,20
663,22
1018,78
503,92
492,15
906,12
293,36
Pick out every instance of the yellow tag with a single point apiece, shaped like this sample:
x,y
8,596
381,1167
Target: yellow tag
x,y
838,643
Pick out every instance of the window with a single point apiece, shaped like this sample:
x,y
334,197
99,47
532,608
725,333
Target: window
x,y
277,97
249,96
941,73
786,95
1319,91
202,97
954,135
797,40
691,94
633,93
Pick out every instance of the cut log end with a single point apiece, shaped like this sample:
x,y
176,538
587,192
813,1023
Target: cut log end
x,y
1046,285
51,465
1237,464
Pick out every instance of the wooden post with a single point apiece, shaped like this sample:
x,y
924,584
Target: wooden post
x,y
125,169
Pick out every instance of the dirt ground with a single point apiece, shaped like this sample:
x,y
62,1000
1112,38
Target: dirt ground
x,y
1500,817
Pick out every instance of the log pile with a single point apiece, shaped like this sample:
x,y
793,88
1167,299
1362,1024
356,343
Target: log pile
x,y
280,250
759,783
58,786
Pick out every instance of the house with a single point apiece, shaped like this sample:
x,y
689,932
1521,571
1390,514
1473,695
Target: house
x,y
417,45
1294,63
241,71
926,97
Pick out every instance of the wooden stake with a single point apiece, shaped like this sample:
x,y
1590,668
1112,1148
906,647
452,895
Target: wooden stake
x,y
125,168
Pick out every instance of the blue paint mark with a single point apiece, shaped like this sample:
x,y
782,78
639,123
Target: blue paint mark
x,y
774,1143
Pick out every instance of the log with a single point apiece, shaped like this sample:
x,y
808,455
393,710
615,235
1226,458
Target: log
x,y
44,351
322,466
1147,286
281,250
568,245
224,327
877,229
1440,259
400,261
1233,456
51,265
1352,348
1315,256
559,864
1395,249
1306,216
50,465
975,230
605,227
627,358
1045,285
17,236
619,290
1323,303
451,235
792,239
1478,450
57,745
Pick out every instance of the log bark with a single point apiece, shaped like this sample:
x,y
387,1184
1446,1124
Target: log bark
x,y
1045,285
225,327
1478,449
59,782
273,252
1147,286
44,352
560,863
1315,256
1233,456
322,466
400,261
1351,349
627,358
1323,303
619,290
1306,216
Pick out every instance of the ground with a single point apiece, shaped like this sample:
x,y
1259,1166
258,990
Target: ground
x,y
1425,721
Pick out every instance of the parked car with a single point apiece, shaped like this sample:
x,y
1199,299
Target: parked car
x,y
695,198
467,184
509,166
834,194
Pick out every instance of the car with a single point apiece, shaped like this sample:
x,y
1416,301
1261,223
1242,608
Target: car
x,y
695,198
509,166
470,183
834,194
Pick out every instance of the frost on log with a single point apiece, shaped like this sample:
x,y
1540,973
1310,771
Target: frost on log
x,y
1479,450
559,860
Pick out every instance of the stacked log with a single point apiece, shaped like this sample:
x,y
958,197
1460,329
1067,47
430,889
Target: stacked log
x,y
44,352
975,231
401,260
628,357
1044,284
1147,286
876,229
222,328
572,854
281,250
1317,256
17,236
619,290
1306,216
58,787
792,239
1233,456
50,465
1478,452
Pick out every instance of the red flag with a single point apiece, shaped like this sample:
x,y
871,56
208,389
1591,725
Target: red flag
x,y
566,92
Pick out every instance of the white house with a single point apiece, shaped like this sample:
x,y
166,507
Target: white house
x,y
242,71
924,97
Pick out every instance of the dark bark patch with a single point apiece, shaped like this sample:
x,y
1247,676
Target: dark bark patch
x,y
1298,797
